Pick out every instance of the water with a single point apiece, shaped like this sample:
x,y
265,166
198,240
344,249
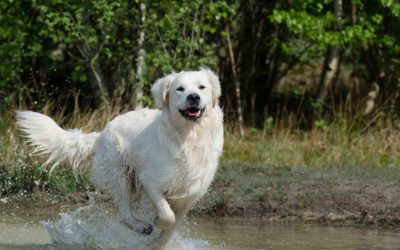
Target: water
x,y
244,234
95,228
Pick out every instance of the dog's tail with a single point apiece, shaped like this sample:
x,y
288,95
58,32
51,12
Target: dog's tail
x,y
61,145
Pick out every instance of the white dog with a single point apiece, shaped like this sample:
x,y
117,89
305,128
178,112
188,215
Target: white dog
x,y
171,152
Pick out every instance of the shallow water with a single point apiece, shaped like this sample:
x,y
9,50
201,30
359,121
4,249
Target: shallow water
x,y
94,228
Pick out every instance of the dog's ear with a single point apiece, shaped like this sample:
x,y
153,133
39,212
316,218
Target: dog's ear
x,y
216,86
160,89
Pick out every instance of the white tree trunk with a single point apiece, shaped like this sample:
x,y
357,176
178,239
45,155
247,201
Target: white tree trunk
x,y
331,63
140,61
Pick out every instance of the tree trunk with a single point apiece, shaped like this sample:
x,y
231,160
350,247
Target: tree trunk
x,y
140,61
236,81
329,70
353,12
331,63
95,73
253,108
96,78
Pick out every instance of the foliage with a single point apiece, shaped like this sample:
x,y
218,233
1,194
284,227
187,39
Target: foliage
x,y
366,29
92,45
86,52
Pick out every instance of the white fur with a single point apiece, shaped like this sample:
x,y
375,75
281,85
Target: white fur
x,y
42,132
172,158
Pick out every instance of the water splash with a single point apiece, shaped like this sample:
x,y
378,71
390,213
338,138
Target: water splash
x,y
94,228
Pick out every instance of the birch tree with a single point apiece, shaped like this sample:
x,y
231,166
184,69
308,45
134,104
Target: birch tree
x,y
140,61
332,57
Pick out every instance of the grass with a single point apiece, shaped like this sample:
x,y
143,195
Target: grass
x,y
276,146
331,146
24,174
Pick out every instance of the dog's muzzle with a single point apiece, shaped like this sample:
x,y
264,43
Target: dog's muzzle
x,y
193,112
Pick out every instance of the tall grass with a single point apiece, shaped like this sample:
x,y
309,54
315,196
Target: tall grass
x,y
332,146
338,143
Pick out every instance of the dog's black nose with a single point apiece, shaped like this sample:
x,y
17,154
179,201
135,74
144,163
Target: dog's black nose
x,y
193,99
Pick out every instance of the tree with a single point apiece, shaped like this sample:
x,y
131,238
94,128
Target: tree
x,y
236,81
112,50
332,57
140,63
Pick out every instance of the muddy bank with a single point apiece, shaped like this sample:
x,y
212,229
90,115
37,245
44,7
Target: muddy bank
x,y
367,196
346,196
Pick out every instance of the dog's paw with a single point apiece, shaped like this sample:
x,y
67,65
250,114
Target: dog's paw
x,y
138,226
147,230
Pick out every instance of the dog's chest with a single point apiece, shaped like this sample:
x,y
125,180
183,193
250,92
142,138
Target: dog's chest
x,y
195,167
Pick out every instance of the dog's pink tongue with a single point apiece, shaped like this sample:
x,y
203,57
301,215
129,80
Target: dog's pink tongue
x,y
193,112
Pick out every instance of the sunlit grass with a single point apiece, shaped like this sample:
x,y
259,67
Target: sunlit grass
x,y
330,145
333,146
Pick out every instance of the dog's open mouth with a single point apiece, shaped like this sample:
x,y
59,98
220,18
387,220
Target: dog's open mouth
x,y
192,113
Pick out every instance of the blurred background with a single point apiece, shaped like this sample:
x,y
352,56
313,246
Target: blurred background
x,y
304,59
311,92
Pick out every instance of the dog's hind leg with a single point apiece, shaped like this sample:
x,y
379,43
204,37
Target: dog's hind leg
x,y
110,172
122,194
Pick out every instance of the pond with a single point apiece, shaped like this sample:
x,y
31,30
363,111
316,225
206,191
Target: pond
x,y
96,229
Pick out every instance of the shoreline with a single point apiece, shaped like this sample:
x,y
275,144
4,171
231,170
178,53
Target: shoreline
x,y
48,209
339,197
336,202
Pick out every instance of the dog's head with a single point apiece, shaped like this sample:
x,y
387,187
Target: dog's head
x,y
188,94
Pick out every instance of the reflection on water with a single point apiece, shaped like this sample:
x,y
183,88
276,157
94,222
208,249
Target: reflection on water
x,y
93,228
242,234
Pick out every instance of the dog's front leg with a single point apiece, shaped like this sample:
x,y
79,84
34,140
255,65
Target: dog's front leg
x,y
181,207
165,216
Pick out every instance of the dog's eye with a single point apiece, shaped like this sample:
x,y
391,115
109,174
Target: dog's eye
x,y
202,87
180,89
